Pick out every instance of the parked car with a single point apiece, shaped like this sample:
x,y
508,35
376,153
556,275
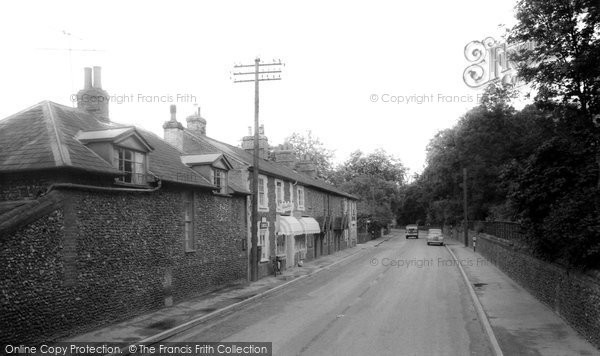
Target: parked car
x,y
435,236
412,231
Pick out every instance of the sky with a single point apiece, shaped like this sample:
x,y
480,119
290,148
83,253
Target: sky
x,y
360,75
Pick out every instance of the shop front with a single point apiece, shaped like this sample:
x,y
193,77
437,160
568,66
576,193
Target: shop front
x,y
293,236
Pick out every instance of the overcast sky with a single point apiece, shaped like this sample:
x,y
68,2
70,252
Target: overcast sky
x,y
338,56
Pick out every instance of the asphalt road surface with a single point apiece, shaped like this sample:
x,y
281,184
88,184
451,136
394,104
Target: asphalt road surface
x,y
399,298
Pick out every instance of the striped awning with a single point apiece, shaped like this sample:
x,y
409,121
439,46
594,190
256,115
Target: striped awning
x,y
288,225
310,225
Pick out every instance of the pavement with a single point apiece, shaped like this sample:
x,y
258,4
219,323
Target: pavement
x,y
521,324
158,325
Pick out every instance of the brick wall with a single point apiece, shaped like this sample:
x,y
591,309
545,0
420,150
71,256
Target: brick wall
x,y
109,256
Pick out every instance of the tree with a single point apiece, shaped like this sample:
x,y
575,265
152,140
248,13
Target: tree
x,y
555,190
377,179
307,144
377,164
563,64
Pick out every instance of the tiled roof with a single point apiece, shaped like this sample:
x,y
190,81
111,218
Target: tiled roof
x,y
43,136
165,162
266,167
237,188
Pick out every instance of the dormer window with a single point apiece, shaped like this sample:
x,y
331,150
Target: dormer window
x,y
220,180
124,148
212,166
132,164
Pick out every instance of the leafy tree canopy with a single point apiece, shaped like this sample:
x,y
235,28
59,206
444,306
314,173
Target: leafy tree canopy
x,y
307,144
563,64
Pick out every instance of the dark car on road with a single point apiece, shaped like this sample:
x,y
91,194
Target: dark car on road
x,y
412,231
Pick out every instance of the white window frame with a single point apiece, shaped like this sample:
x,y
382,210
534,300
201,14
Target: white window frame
x,y
265,204
263,241
279,195
223,180
301,197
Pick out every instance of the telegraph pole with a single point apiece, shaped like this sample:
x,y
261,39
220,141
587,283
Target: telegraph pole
x,y
262,72
466,221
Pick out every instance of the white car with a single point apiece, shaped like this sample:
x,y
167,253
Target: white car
x,y
435,236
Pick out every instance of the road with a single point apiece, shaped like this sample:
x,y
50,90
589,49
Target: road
x,y
401,297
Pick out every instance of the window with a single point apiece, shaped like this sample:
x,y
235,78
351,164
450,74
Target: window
x,y
279,194
132,163
263,194
188,221
300,198
263,242
220,180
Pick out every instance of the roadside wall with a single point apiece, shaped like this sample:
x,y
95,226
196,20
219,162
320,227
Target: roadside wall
x,y
104,257
573,295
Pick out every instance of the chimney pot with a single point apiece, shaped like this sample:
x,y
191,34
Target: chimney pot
x,y
87,78
249,130
173,112
261,129
92,98
98,77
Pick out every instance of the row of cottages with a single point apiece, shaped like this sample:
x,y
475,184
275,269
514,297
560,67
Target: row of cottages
x,y
100,222
300,217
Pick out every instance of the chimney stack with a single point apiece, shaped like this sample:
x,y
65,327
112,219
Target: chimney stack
x,y
263,142
196,124
92,98
173,130
307,166
284,154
